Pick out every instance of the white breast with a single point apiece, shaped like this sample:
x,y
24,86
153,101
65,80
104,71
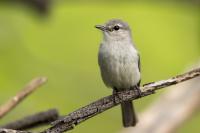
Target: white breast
x,y
119,65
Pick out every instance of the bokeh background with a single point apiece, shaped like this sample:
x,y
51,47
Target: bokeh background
x,y
60,42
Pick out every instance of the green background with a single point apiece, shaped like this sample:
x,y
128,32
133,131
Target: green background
x,y
63,46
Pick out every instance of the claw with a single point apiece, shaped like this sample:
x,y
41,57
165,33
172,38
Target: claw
x,y
139,91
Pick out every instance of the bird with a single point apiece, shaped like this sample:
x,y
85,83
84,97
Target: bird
x,y
119,63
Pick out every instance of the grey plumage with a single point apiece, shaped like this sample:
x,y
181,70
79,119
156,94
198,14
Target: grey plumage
x,y
119,63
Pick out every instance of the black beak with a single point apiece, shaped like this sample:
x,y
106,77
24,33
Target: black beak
x,y
101,27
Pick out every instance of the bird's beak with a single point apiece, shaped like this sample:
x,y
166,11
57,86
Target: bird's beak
x,y
101,27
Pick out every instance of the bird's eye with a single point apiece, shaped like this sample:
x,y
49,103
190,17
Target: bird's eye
x,y
116,27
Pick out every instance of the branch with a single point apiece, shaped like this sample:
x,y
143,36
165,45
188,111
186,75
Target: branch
x,y
172,108
31,121
29,88
103,104
12,131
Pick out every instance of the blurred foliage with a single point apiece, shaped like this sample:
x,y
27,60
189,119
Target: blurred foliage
x,y
41,6
63,46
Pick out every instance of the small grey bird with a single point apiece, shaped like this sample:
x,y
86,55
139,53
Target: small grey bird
x,y
119,63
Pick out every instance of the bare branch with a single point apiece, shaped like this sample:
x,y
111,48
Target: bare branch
x,y
31,121
103,104
172,108
28,89
11,131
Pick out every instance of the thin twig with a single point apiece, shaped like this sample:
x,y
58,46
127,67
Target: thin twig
x,y
34,120
103,104
29,88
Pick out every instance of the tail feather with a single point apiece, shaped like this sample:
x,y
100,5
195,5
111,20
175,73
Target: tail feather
x,y
128,114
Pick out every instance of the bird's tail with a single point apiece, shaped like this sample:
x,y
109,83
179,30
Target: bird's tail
x,y
128,114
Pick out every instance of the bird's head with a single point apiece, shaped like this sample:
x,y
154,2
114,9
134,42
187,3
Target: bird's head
x,y
115,30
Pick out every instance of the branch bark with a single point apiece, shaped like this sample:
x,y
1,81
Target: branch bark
x,y
2,130
28,89
34,120
172,108
103,104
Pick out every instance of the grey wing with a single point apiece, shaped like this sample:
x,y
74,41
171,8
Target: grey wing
x,y
102,61
100,57
139,67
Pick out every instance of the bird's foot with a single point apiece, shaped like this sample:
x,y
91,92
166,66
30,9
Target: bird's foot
x,y
115,95
139,92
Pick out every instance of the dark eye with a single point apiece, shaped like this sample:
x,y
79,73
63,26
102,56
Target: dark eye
x,y
116,27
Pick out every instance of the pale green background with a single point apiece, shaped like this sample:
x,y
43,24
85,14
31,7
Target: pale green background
x,y
63,46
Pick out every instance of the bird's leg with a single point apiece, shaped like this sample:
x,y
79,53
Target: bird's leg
x,y
115,93
137,90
